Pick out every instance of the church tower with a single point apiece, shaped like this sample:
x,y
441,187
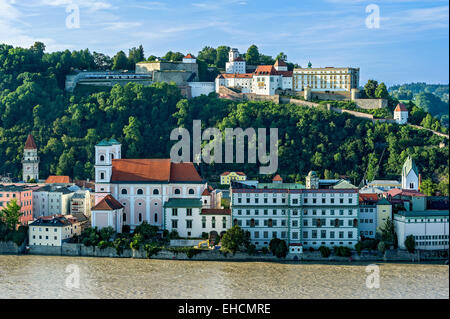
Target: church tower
x,y
30,161
410,175
105,152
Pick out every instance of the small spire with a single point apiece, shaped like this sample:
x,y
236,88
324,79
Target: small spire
x,y
30,144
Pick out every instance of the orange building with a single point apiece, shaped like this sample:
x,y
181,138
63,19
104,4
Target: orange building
x,y
24,197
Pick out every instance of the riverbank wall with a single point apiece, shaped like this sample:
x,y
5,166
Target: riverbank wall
x,y
216,255
11,248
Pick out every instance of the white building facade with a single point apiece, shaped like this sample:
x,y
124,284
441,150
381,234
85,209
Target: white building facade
x,y
401,114
52,231
307,218
235,64
143,186
328,79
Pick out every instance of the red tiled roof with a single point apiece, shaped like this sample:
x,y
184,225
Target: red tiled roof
x,y
206,192
215,211
30,144
224,173
266,70
401,108
238,59
153,170
279,62
404,192
189,56
57,179
277,178
184,172
108,203
368,197
235,75
286,74
241,173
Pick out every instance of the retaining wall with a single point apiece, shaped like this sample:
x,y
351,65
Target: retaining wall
x,y
10,247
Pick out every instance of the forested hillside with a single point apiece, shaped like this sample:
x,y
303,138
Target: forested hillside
x,y
67,126
432,98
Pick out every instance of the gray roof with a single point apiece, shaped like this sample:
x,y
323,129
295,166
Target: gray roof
x,y
424,213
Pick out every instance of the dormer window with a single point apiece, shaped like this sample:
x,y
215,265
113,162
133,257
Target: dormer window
x,y
177,191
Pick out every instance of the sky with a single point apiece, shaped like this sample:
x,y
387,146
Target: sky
x,y
410,42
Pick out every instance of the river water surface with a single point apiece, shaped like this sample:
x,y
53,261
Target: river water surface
x,y
47,277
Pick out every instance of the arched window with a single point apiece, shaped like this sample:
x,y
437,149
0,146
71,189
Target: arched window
x,y
177,191
155,192
124,191
140,217
140,191
156,217
102,158
124,217
191,191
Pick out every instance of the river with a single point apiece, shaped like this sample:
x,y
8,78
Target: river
x,y
79,277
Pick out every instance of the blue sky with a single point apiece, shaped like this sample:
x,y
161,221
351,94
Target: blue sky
x,y
411,45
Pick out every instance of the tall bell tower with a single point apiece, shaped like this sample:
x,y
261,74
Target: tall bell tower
x,y
30,161
105,152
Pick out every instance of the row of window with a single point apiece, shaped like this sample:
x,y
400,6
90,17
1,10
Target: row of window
x,y
324,234
315,222
189,223
431,237
295,201
155,191
314,212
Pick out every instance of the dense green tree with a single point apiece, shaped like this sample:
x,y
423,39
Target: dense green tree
x,y
234,239
410,243
221,56
370,88
381,91
252,55
120,61
208,54
10,215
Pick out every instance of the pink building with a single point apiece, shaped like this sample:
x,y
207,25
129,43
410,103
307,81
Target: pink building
x,y
24,196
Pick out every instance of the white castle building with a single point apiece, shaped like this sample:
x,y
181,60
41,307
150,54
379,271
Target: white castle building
x,y
30,161
264,81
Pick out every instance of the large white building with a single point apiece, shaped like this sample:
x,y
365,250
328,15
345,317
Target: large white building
x,y
328,79
302,217
266,80
142,186
30,161
235,64
51,200
429,228
53,230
